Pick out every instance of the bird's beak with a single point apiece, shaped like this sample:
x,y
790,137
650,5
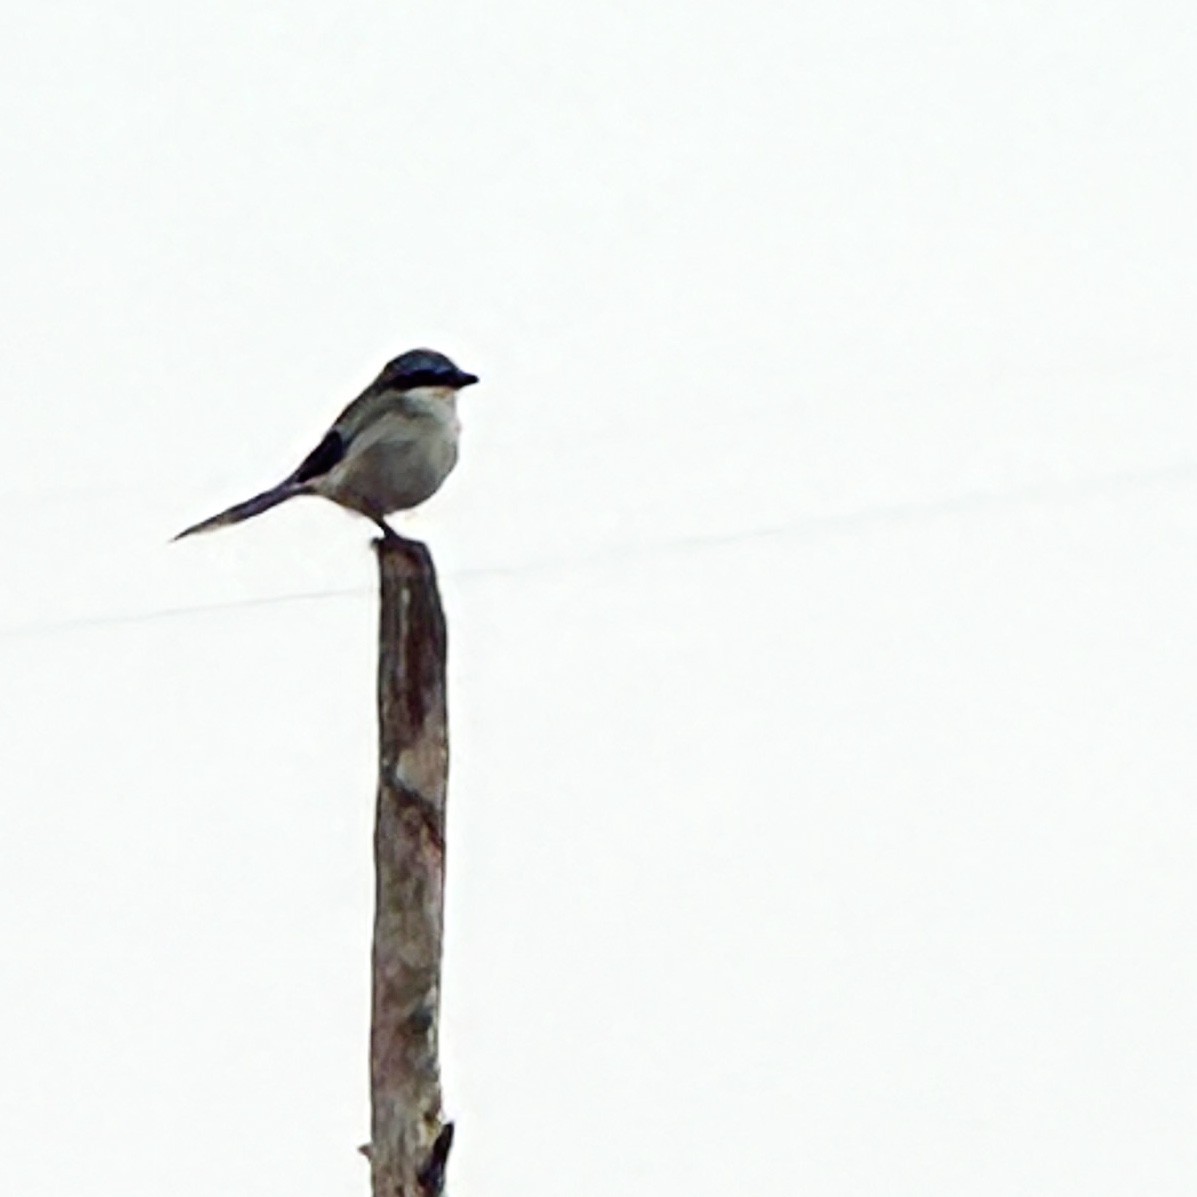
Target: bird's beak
x,y
464,380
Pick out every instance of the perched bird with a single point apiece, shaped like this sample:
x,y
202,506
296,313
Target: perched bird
x,y
389,450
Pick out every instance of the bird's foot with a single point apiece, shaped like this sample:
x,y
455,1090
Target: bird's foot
x,y
388,533
391,541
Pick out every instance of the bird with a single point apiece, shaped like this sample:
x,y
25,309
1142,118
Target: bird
x,y
388,451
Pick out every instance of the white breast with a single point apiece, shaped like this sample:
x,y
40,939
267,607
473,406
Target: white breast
x,y
400,459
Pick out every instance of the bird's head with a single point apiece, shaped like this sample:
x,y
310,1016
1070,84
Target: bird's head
x,y
424,368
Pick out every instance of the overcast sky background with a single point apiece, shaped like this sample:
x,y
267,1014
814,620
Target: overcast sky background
x,y
821,571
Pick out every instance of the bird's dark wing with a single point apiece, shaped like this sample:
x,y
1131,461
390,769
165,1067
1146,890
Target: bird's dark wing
x,y
322,458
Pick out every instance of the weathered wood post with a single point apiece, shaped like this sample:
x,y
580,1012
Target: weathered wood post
x,y
409,1139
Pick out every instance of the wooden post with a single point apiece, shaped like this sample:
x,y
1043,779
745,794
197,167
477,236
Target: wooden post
x,y
409,1139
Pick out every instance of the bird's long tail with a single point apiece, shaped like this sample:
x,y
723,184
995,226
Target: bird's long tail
x,y
251,507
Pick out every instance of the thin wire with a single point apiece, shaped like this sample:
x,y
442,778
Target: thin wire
x,y
914,511
979,502
82,622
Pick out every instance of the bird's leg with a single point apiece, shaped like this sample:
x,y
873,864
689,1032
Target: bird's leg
x,y
388,533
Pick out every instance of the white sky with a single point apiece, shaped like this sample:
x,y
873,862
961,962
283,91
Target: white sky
x,y
820,569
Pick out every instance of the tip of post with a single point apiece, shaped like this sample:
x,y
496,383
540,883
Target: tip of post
x,y
395,545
